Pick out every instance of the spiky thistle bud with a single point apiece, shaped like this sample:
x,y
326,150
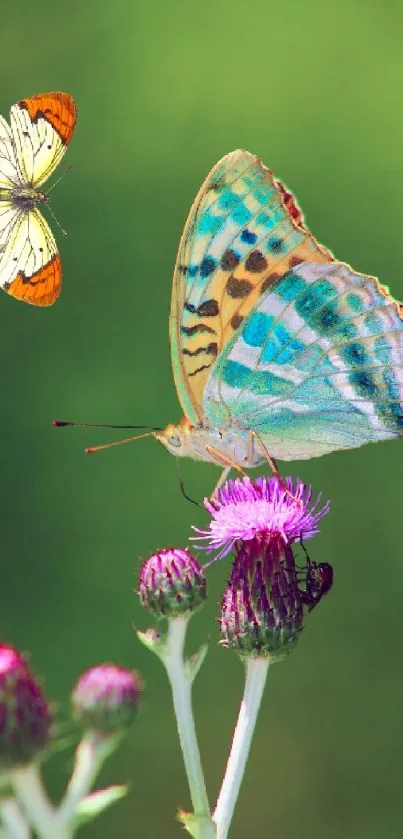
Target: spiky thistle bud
x,y
172,583
106,698
25,716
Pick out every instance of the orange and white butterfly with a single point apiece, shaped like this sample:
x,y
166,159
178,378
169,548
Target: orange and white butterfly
x,y
30,149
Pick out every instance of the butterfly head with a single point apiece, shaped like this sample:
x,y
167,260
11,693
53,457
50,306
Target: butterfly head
x,y
187,440
176,438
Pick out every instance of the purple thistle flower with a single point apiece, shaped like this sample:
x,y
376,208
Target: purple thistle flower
x,y
106,698
263,606
243,509
25,716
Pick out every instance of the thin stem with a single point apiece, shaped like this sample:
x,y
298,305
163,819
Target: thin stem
x,y
255,680
13,820
35,803
181,686
91,753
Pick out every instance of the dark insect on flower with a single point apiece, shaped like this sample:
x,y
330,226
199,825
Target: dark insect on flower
x,y
318,581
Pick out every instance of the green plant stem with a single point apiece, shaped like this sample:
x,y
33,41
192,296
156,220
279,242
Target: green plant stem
x,y
181,685
91,753
36,805
255,680
13,820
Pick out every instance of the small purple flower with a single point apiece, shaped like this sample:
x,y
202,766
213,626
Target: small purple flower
x,y
25,716
106,698
265,508
172,583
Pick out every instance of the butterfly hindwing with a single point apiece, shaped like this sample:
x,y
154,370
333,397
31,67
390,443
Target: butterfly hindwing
x,y
30,267
316,366
243,232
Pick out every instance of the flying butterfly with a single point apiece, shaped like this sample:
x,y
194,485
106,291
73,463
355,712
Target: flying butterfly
x,y
278,349
30,149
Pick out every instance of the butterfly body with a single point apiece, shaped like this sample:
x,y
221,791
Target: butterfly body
x,y
222,446
31,147
24,198
276,346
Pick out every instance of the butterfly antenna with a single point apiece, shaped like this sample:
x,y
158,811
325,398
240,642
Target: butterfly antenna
x,y
63,423
93,449
56,220
60,178
148,433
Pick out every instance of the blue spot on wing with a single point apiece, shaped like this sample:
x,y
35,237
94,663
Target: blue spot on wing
x,y
313,298
248,236
354,354
259,382
208,223
241,215
257,328
382,349
228,200
290,286
207,266
270,220
355,302
281,347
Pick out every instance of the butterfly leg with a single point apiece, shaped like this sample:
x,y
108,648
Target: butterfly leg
x,y
254,439
223,477
226,462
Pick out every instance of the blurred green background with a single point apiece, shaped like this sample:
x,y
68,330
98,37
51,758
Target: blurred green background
x,y
163,90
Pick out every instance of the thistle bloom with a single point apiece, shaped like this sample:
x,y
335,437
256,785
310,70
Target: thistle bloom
x,y
25,717
106,698
263,606
243,510
172,583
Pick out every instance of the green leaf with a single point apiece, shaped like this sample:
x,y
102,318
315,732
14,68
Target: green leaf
x,y
97,802
193,664
153,640
200,827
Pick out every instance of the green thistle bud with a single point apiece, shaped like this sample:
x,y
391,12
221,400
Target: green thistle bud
x,y
172,583
106,698
25,717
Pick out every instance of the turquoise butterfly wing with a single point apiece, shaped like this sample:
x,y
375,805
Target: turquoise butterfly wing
x,y
316,366
269,333
243,232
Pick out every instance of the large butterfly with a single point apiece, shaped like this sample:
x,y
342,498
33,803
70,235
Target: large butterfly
x,y
277,348
30,149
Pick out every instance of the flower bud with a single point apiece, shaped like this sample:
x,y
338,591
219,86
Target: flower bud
x,y
172,583
106,698
25,717
262,612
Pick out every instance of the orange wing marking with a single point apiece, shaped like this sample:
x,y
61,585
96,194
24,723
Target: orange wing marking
x,y
42,288
58,109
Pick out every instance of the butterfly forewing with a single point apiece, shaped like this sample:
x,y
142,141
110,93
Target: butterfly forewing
x,y
244,231
316,366
42,127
